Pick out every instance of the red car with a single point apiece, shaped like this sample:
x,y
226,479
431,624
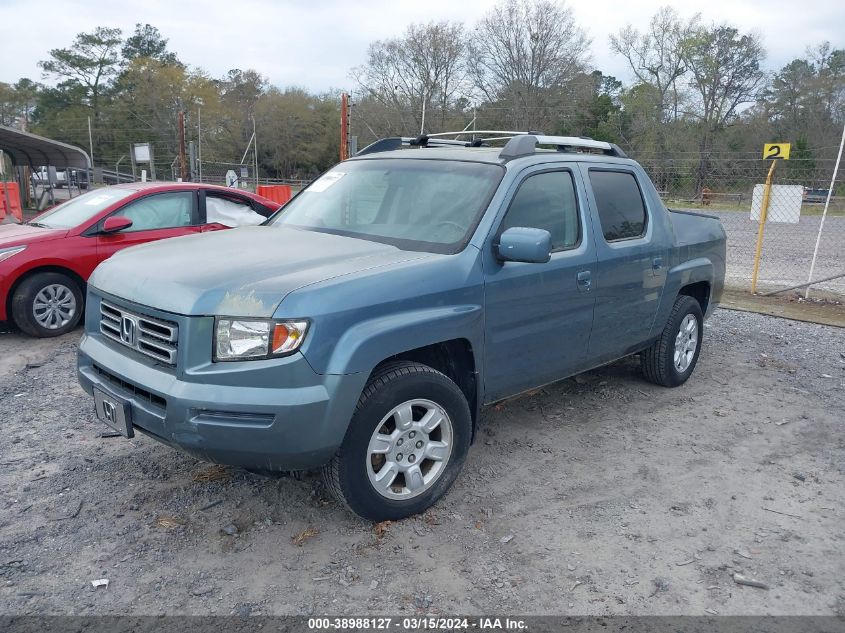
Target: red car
x,y
45,263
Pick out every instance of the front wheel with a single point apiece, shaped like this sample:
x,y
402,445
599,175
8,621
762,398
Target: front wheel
x,y
47,304
671,360
405,445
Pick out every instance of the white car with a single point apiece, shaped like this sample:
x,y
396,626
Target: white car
x,y
42,175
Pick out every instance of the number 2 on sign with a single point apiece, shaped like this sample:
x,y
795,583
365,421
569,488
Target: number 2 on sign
x,y
776,150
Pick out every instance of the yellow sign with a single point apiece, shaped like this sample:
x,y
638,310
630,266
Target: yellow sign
x,y
776,150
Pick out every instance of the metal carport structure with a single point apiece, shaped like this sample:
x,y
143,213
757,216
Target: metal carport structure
x,y
30,150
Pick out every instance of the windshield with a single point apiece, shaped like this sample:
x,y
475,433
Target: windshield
x,y
414,204
81,209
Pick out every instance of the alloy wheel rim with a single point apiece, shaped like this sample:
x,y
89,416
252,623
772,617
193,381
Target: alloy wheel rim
x,y
686,343
409,449
54,306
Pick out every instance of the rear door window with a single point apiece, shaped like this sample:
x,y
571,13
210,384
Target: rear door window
x,y
230,212
620,204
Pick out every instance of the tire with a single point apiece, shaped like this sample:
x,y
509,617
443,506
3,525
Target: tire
x,y
397,392
671,360
47,304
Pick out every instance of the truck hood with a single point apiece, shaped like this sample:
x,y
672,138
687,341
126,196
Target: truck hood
x,y
240,272
20,234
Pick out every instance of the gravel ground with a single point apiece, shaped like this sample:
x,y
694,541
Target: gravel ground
x,y
597,495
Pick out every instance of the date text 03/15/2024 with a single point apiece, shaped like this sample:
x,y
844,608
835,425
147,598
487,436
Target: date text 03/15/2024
x,y
421,623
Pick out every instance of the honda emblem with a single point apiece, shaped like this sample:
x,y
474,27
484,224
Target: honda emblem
x,y
109,411
128,330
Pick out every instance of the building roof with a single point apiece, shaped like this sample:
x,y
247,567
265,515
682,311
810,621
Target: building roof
x,y
33,150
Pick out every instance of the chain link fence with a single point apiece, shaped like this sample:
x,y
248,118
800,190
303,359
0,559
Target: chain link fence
x,y
732,187
226,174
215,173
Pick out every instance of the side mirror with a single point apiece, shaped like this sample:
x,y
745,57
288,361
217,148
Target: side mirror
x,y
521,244
116,223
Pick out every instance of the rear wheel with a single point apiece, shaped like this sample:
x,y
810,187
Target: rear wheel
x,y
671,360
47,304
406,443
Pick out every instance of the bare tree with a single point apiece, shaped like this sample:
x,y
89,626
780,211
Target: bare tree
x,y
725,74
655,57
656,60
523,54
829,66
418,76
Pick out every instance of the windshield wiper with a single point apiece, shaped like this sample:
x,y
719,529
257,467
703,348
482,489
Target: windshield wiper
x,y
38,224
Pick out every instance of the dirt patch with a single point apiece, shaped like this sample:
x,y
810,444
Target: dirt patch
x,y
18,351
823,308
605,495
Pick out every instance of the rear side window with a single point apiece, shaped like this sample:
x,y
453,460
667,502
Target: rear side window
x,y
620,204
547,201
230,212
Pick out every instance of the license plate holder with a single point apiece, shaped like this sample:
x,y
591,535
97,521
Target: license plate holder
x,y
114,412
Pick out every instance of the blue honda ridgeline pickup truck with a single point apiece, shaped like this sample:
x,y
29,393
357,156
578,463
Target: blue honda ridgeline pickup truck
x,y
364,326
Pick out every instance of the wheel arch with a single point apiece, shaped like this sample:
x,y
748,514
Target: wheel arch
x,y
700,291
688,278
455,359
49,268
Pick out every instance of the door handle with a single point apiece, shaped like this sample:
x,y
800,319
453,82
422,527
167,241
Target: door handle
x,y
657,263
584,279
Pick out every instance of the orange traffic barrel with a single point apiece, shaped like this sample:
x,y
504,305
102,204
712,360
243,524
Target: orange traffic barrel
x,y
10,201
276,193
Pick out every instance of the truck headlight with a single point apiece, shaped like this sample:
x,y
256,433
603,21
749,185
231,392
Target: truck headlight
x,y
249,339
6,253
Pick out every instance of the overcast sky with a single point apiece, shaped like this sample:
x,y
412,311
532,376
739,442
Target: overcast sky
x,y
314,43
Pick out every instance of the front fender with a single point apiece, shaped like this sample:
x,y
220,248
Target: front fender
x,y
10,278
369,342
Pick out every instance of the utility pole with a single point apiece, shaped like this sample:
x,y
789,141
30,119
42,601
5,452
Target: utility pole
x,y
344,126
255,150
91,166
824,213
183,165
350,150
199,142
422,124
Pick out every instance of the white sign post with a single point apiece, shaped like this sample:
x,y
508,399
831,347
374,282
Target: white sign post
x,y
784,203
143,153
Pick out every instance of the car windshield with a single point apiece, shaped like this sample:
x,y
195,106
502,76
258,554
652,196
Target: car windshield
x,y
414,204
80,209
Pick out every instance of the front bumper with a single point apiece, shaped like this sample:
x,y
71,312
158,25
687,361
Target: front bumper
x,y
273,414
5,287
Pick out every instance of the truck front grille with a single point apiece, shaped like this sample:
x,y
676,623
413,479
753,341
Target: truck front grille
x,y
155,338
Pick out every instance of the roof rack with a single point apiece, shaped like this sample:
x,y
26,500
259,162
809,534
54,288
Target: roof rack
x,y
526,145
518,143
397,142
